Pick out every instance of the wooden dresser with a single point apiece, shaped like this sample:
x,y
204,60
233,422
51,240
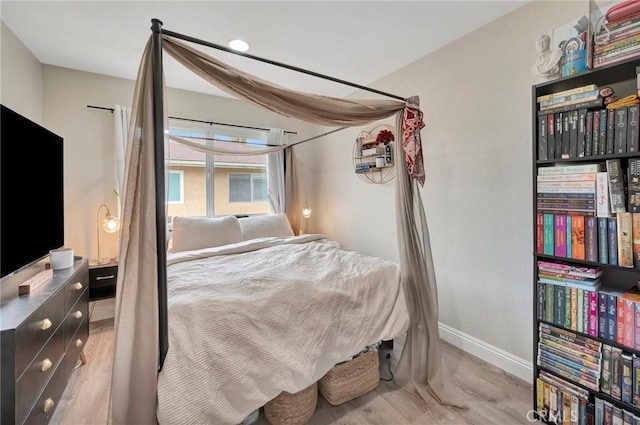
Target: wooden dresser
x,y
42,336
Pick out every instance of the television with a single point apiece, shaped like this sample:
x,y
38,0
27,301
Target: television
x,y
31,192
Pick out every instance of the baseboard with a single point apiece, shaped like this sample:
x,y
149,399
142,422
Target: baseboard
x,y
494,355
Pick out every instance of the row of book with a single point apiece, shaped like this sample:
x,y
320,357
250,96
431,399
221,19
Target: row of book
x,y
607,413
620,375
589,130
559,401
571,356
606,313
618,41
606,240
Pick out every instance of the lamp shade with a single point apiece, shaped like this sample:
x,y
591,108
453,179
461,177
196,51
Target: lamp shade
x,y
306,211
110,223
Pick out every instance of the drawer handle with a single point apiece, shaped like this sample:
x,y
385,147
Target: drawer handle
x,y
48,405
105,277
77,286
46,324
46,365
78,343
77,314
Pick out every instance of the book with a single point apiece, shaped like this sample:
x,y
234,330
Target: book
x,y
581,125
573,133
539,233
570,269
567,306
569,99
549,300
563,93
541,300
603,247
551,142
599,411
602,315
560,232
635,225
633,185
588,133
564,178
557,135
578,237
616,186
572,169
566,135
629,322
611,127
625,240
591,238
633,130
620,131
636,325
559,307
570,337
603,206
596,103
595,133
593,313
569,233
566,283
635,364
627,379
603,131
613,240
620,320
616,372
606,369
549,234
573,321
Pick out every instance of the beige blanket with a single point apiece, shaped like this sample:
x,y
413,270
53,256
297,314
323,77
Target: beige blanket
x,y
249,320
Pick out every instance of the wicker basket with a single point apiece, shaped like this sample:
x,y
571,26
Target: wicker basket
x,y
292,409
351,379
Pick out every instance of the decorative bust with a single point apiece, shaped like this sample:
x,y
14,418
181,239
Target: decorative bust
x,y
547,66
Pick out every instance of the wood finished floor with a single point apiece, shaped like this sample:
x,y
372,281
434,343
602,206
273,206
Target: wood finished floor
x,y
492,396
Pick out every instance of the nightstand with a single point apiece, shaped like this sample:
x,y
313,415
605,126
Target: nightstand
x,y
102,280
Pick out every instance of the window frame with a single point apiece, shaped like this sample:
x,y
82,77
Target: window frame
x,y
181,174
252,175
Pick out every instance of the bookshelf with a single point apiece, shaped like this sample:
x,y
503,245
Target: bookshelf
x,y
570,354
377,159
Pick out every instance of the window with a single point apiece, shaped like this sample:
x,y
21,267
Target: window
x,y
175,191
247,187
216,184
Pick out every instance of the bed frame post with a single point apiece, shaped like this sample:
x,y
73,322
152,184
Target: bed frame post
x,y
161,219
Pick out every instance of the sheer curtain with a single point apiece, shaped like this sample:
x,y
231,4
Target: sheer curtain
x,y
134,379
275,171
121,120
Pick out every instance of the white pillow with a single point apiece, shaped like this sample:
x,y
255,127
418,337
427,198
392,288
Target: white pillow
x,y
204,232
264,226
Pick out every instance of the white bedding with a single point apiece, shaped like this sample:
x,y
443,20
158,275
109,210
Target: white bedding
x,y
252,319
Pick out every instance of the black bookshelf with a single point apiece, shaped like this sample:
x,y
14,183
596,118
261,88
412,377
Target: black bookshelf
x,y
622,78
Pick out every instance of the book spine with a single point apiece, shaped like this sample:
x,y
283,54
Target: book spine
x,y
566,135
603,247
578,229
549,299
636,379
625,241
581,125
620,322
626,380
569,337
539,233
616,372
616,186
591,239
613,240
602,315
633,135
569,184
636,340
612,311
551,143
569,224
560,247
557,101
577,177
568,313
557,135
541,300
603,131
603,207
584,295
571,169
588,133
635,224
606,370
611,128
539,394
595,134
629,323
573,321
633,185
593,313
573,134
549,234
620,131
560,297
608,413
599,412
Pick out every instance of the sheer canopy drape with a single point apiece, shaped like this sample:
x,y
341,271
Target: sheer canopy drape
x,y
121,121
275,171
133,387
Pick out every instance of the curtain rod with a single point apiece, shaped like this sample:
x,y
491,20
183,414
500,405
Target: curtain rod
x,y
280,64
315,137
104,108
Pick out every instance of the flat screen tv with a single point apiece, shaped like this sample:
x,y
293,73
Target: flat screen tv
x,y
31,192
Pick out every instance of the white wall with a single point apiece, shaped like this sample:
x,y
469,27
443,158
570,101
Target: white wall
x,y
476,97
17,64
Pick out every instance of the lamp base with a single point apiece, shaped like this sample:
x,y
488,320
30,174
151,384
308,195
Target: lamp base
x,y
101,261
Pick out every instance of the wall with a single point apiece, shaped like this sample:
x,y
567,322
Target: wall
x,y
476,97
18,64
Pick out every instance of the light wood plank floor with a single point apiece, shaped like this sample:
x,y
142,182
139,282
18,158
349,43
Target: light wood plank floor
x,y
491,395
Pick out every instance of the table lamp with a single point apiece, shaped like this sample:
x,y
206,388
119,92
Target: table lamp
x,y
109,224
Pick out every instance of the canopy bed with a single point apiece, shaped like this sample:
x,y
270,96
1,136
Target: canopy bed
x,y
148,276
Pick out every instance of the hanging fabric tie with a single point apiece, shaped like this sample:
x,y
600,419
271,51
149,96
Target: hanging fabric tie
x,y
411,144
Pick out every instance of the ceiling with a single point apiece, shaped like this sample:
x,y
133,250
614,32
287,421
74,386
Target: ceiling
x,y
357,41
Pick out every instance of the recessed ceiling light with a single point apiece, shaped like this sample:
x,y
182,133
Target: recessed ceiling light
x,y
239,45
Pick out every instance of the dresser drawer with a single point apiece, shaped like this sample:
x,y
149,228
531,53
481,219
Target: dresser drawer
x,y
102,282
38,372
76,315
48,401
34,332
75,288
75,348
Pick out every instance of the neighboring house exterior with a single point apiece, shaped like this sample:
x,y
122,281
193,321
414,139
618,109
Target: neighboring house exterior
x,y
239,183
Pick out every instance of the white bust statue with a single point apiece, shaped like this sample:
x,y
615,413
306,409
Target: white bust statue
x,y
547,66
